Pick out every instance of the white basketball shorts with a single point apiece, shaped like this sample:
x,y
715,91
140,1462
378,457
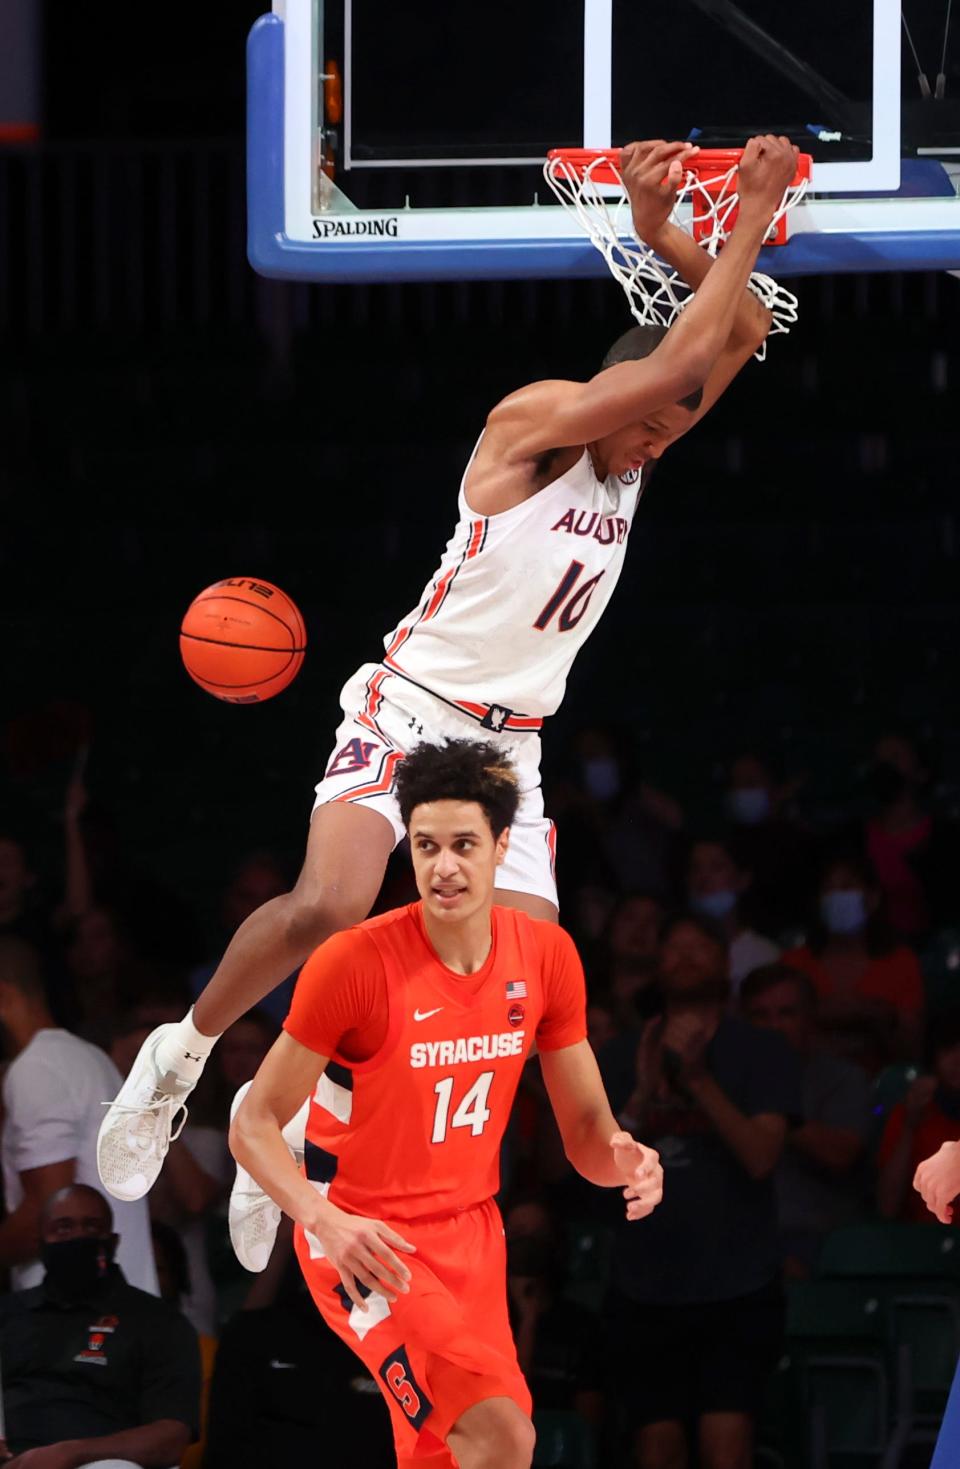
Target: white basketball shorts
x,y
384,717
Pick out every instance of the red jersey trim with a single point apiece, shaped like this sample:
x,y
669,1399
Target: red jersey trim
x,y
380,787
478,536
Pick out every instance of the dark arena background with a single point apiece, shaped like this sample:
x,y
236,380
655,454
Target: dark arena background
x,y
787,622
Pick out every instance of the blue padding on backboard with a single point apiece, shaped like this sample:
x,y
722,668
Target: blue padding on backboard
x,y
831,254
271,253
265,238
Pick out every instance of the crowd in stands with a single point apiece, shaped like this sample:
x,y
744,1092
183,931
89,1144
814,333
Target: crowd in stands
x,y
774,1002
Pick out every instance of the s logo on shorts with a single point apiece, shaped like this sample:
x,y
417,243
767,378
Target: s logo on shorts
x,y
355,755
396,1373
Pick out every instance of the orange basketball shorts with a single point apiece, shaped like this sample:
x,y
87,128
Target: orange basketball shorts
x,y
443,1346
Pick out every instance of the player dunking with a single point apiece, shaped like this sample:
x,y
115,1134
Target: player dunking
x,y
410,1033
546,505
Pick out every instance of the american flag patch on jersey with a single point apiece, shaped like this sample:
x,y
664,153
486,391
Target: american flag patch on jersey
x,y
517,989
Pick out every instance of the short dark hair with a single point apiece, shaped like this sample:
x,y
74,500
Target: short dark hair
x,y
460,770
87,1192
767,976
641,341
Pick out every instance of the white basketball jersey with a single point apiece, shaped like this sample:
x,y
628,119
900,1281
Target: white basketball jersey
x,y
516,596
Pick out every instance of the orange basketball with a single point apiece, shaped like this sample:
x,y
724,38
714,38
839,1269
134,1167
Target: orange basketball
x,y
242,640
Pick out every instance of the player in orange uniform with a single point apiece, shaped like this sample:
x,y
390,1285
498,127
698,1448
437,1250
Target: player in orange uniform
x,y
410,1032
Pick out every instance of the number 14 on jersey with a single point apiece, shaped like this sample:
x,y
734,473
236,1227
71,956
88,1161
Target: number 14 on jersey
x,y
472,1111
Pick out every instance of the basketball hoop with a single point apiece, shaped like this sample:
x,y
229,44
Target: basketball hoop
x,y
589,185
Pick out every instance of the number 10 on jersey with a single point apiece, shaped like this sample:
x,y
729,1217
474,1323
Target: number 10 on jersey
x,y
472,1111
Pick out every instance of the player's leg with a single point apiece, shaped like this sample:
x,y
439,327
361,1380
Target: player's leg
x,y
531,903
527,877
441,1351
347,852
493,1434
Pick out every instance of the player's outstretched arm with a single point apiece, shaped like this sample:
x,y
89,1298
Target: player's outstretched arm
x,y
652,194
555,415
361,1249
593,1140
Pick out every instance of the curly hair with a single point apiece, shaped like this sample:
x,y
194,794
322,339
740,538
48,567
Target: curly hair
x,y
460,770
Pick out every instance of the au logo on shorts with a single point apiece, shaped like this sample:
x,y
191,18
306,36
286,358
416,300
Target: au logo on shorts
x,y
355,755
396,1373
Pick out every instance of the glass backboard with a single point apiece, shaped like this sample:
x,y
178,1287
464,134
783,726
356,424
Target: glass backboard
x,y
425,162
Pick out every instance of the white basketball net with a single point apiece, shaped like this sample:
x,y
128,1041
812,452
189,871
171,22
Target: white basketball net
x,y
655,292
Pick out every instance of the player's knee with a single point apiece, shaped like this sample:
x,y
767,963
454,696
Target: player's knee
x,y
309,920
510,1444
494,1435
522,1441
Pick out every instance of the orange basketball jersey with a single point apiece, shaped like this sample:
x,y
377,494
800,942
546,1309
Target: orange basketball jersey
x,y
415,1130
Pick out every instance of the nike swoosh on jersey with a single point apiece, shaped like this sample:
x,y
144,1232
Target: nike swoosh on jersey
x,y
425,1014
277,1363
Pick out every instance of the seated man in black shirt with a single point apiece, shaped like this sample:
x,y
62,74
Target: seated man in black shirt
x,y
94,1370
695,1315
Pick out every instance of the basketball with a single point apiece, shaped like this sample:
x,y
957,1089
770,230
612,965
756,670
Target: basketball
x,y
242,640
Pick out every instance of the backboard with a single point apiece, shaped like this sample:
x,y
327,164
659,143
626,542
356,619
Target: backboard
x,y
425,162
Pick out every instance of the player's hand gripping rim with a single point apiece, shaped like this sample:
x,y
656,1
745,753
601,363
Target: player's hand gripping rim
x,y
652,173
766,170
360,1250
640,1169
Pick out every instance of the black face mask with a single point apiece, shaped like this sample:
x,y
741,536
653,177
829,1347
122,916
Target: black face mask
x,y
76,1268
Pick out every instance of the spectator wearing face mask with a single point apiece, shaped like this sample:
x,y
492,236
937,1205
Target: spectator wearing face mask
x,y
926,1119
95,1372
716,888
769,844
870,998
621,824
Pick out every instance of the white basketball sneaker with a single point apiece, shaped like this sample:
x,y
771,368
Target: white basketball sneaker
x,y
138,1128
253,1216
